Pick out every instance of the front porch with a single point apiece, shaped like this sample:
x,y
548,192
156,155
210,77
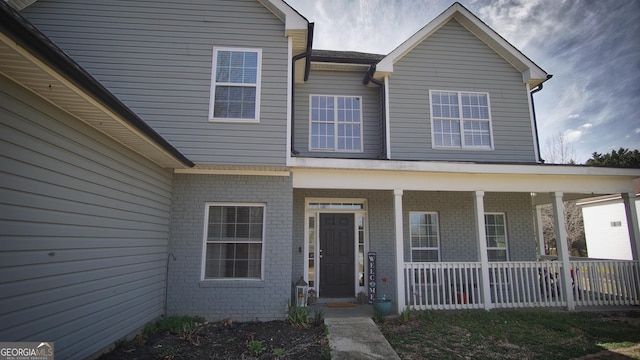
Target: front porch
x,y
454,236
461,285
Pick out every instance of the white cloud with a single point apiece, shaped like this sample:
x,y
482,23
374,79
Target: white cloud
x,y
573,135
636,131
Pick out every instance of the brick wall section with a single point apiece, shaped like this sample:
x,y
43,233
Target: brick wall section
x,y
455,214
457,222
520,222
284,263
241,300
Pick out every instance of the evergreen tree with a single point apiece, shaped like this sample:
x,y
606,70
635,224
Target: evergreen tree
x,y
621,158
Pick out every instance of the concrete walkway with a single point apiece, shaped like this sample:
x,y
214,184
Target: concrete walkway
x,y
357,338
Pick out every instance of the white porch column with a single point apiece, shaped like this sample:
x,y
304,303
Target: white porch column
x,y
563,248
629,200
481,237
540,231
400,291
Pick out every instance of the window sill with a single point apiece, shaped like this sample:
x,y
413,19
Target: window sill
x,y
335,151
461,148
232,283
234,121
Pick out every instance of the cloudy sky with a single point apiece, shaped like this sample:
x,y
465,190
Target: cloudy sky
x,y
592,48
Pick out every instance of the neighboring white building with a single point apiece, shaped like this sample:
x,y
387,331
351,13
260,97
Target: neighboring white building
x,y
605,227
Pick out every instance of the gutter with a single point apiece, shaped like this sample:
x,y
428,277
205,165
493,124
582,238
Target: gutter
x,y
369,78
535,122
39,45
307,55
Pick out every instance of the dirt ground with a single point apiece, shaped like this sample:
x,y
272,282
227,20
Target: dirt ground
x,y
280,340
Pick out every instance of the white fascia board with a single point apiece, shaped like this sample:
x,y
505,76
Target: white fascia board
x,y
425,181
292,19
461,167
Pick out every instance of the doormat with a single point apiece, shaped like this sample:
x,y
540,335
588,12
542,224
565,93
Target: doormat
x,y
340,304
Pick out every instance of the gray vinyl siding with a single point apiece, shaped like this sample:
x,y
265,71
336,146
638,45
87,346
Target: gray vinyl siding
x,y
156,57
454,59
84,226
338,83
242,299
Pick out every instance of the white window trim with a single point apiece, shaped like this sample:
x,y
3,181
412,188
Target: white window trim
x,y
213,85
506,234
461,123
335,122
411,247
207,206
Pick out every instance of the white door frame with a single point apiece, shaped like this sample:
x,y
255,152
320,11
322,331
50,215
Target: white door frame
x,y
316,206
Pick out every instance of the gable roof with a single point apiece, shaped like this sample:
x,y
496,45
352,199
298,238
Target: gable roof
x,y
31,59
531,73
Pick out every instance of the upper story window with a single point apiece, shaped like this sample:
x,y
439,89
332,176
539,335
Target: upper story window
x,y
496,227
235,85
425,236
234,234
335,123
460,120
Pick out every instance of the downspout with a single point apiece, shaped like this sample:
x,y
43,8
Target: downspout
x,y
306,54
369,78
535,122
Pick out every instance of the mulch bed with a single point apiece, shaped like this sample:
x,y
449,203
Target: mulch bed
x,y
280,340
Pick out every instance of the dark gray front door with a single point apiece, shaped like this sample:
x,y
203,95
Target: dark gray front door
x,y
337,262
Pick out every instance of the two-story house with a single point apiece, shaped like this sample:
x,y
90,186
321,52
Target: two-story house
x,y
163,158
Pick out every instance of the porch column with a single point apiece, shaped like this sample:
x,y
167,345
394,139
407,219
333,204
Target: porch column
x,y
400,291
629,200
562,247
540,231
481,237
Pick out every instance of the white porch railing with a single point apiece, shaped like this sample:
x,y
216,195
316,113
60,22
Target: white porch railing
x,y
458,285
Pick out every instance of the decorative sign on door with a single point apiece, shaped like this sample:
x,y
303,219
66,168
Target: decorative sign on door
x,y
371,256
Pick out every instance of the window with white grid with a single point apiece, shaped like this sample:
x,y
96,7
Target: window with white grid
x,y
460,120
235,85
496,229
234,235
335,123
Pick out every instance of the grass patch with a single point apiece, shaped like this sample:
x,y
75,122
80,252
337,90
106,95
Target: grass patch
x,y
510,334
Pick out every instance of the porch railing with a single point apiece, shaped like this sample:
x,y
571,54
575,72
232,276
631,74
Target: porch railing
x,y
458,285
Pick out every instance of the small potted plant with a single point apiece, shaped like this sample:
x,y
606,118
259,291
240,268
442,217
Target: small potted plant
x,y
382,305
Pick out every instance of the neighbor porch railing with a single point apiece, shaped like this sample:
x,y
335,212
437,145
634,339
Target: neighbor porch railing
x,y
459,285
